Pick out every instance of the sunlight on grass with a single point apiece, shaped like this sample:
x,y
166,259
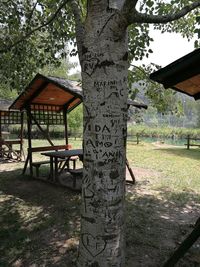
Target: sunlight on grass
x,y
40,223
180,168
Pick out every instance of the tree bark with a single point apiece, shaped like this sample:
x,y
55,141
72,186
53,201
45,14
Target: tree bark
x,y
104,81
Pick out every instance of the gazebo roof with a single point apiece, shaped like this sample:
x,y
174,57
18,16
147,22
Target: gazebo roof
x,y
182,75
54,92
4,104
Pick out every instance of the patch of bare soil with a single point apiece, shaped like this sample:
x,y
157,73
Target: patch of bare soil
x,y
157,224
141,173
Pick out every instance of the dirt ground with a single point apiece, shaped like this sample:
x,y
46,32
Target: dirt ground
x,y
40,222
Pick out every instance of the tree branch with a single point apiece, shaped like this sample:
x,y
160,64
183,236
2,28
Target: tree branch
x,y
31,13
145,74
129,10
27,35
136,17
79,26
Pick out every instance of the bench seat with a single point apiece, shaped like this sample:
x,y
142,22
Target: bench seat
x,y
76,171
39,163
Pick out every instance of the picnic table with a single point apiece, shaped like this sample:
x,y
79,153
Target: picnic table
x,y
55,156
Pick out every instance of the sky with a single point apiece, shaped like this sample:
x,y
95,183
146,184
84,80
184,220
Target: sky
x,y
167,47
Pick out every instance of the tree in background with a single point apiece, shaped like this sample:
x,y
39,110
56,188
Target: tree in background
x,y
105,50
75,120
62,70
6,93
31,38
198,115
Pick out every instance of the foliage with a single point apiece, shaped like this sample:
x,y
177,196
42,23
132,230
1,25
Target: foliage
x,y
139,42
35,49
31,37
163,132
61,71
164,100
75,119
198,114
139,47
6,93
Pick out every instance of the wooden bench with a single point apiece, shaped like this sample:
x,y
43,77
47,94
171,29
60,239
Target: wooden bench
x,y
8,151
37,165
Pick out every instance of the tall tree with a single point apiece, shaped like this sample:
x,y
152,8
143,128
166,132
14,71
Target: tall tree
x,y
31,38
101,29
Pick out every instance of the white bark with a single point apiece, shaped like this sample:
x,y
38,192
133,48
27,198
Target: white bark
x,y
104,81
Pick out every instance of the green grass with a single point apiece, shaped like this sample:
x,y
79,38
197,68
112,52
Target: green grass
x,y
179,166
40,223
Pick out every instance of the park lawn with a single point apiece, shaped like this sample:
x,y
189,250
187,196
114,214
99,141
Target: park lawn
x,y
40,222
179,166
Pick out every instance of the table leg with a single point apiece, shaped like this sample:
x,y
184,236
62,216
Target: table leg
x,y
56,169
51,175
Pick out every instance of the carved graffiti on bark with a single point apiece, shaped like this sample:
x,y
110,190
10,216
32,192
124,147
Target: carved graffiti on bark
x,y
94,245
90,65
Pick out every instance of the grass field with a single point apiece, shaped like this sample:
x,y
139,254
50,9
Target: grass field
x,y
40,222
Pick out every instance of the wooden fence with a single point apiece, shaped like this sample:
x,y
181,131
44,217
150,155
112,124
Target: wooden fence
x,y
190,142
133,138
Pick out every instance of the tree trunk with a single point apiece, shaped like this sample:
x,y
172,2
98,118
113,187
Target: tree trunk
x,y
104,81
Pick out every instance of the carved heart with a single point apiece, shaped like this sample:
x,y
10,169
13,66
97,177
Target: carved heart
x,y
94,245
89,66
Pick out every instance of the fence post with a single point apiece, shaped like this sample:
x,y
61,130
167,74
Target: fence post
x,y
188,141
137,136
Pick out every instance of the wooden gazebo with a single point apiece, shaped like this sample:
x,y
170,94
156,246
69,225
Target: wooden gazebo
x,y
10,149
182,75
47,100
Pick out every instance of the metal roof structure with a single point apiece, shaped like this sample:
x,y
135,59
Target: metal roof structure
x,y
182,75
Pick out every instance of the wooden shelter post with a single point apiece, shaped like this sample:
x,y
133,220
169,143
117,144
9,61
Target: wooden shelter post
x,y
0,137
0,127
29,156
22,135
65,124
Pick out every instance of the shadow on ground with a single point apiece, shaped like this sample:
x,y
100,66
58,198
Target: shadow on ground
x,y
180,152
157,224
40,224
